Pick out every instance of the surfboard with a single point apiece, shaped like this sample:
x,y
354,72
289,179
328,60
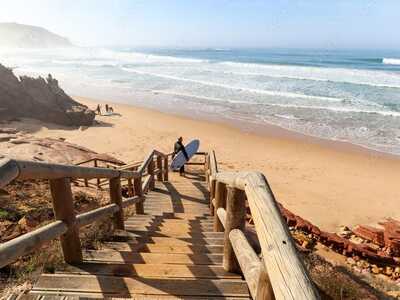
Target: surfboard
x,y
180,159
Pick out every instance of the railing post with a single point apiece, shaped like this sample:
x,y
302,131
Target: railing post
x,y
235,219
150,170
220,201
98,179
130,188
116,197
63,208
264,288
166,168
159,167
138,192
212,195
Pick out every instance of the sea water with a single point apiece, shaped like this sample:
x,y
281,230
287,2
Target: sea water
x,y
351,95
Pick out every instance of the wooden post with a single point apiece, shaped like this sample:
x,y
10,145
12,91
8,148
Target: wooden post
x,y
235,219
220,201
130,188
150,170
116,197
63,208
86,182
166,168
98,179
264,287
212,195
159,166
138,192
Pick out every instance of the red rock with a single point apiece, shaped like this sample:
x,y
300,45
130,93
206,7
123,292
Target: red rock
x,y
370,233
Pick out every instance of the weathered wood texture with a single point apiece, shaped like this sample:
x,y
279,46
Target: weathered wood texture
x,y
116,198
64,211
24,244
288,276
253,270
139,193
235,219
220,202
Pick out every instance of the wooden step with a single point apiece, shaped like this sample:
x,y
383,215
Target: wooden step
x,y
151,270
176,233
176,216
159,248
180,241
72,296
170,225
152,258
112,286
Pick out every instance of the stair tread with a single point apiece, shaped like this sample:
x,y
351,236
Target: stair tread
x,y
128,287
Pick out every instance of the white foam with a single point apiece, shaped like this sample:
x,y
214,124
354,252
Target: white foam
x,y
391,61
265,92
339,109
340,75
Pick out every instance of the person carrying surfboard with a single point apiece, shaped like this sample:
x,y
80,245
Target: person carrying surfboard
x,y
177,148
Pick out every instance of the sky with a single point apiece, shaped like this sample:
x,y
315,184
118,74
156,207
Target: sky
x,y
371,24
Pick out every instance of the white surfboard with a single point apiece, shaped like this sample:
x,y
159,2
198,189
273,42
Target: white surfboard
x,y
180,159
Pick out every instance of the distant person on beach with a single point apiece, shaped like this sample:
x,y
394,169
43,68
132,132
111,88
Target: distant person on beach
x,y
180,147
111,110
98,109
106,107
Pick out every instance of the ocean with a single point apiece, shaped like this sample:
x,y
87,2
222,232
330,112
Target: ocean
x,y
345,95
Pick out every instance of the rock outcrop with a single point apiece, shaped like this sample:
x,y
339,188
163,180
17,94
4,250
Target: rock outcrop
x,y
41,99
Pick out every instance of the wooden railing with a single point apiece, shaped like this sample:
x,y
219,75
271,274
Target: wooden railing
x,y
280,273
66,225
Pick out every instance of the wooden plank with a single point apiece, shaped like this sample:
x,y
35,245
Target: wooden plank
x,y
167,240
63,208
128,287
96,214
151,270
152,258
26,243
8,171
176,234
79,296
160,248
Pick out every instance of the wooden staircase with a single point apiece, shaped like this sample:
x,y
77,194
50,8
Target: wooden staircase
x,y
170,252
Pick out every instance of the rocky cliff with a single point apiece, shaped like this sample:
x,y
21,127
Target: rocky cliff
x,y
26,36
41,99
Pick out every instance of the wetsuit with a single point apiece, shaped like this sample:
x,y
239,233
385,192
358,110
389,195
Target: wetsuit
x,y
180,147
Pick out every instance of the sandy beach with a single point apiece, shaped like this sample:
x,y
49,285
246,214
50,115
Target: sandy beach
x,y
330,184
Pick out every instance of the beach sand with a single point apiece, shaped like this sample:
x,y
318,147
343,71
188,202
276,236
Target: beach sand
x,y
328,183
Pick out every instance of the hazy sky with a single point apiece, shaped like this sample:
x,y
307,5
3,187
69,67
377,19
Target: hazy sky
x,y
215,23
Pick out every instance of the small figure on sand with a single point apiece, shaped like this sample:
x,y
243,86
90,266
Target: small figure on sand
x,y
98,109
177,148
106,107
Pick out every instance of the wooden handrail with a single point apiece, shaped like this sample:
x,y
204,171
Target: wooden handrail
x,y
67,224
286,272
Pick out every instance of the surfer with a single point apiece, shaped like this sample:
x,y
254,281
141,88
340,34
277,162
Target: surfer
x,y
180,147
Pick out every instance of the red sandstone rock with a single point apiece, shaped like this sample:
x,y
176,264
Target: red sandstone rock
x,y
370,233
